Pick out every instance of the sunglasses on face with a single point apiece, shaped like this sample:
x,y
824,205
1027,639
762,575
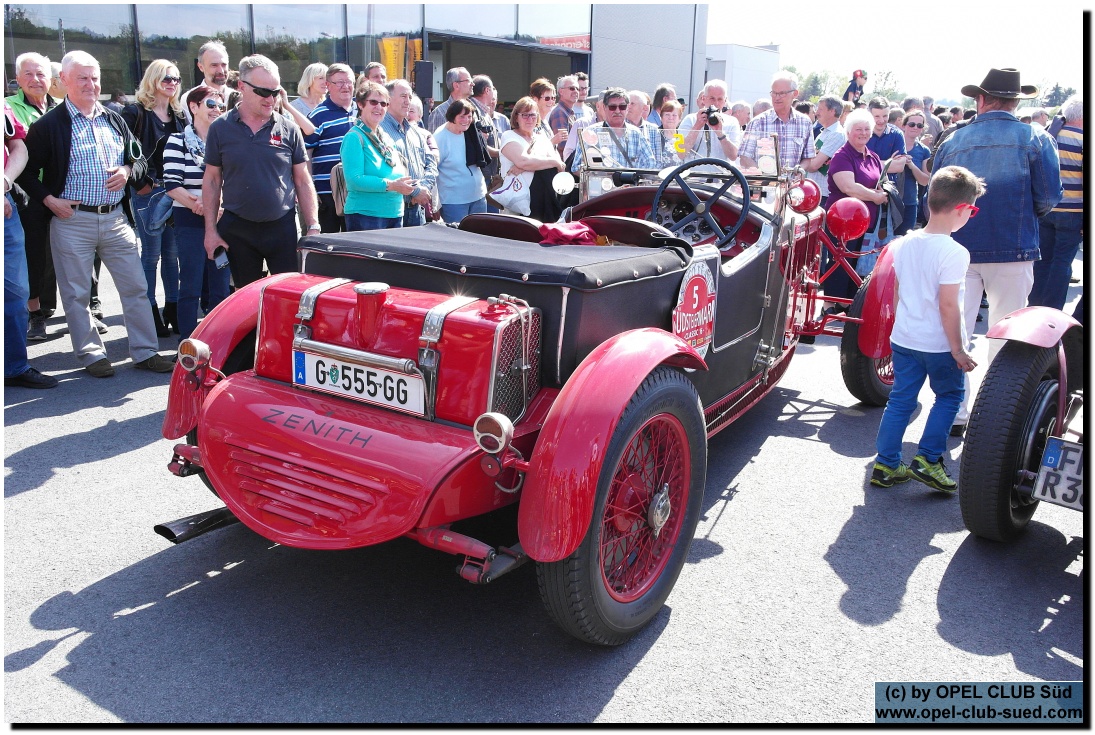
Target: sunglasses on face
x,y
549,98
172,80
214,104
622,107
374,103
572,89
973,210
914,125
263,92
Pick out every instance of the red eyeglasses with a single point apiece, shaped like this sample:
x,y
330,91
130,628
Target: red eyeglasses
x,y
973,210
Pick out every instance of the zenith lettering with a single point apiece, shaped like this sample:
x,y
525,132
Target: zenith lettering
x,y
297,422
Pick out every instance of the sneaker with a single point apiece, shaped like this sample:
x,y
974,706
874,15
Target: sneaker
x,y
884,476
932,474
101,368
32,379
99,326
36,332
157,364
96,309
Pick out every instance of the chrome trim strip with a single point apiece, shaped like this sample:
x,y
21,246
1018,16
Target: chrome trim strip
x,y
562,328
368,359
308,299
435,318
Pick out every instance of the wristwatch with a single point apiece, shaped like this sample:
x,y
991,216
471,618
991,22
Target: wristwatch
x,y
315,227
721,137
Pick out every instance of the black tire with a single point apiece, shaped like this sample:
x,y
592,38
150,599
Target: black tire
x,y
866,378
623,571
1015,410
241,358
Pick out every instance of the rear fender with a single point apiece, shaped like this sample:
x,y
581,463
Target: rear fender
x,y
222,329
561,484
879,308
1043,326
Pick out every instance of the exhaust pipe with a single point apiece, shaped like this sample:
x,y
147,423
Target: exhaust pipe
x,y
187,528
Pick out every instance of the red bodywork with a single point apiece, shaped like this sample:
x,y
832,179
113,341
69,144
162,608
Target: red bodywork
x,y
315,470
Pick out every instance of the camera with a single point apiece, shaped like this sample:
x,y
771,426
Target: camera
x,y
712,117
220,258
484,127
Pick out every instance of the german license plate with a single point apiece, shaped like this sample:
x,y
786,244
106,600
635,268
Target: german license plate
x,y
368,384
1061,475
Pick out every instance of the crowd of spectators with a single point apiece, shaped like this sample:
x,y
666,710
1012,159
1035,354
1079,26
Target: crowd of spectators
x,y
231,172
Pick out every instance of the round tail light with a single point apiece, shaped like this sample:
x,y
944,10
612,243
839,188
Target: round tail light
x,y
193,354
493,432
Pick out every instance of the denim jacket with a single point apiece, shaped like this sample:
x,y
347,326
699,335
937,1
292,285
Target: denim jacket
x,y
1022,176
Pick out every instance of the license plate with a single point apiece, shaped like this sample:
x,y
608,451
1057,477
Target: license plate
x,y
368,384
1061,475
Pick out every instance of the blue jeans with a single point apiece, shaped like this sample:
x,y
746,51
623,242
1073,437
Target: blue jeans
x,y
910,369
456,212
909,220
16,293
358,222
414,216
194,264
153,244
1059,239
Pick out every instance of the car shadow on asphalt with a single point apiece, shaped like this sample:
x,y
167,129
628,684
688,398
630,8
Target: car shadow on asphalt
x,y
1024,598
231,628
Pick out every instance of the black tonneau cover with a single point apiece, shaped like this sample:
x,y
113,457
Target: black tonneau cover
x,y
581,267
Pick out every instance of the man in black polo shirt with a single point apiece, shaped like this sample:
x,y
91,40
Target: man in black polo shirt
x,y
256,156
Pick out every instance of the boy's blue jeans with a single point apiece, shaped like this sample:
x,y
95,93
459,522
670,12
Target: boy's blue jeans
x,y
910,369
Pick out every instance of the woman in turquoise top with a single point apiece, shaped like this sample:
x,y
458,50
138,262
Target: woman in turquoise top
x,y
376,176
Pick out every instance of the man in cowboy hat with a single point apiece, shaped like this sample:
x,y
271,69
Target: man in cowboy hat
x,y
1022,175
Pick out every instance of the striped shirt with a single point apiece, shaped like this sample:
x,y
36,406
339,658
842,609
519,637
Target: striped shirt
x,y
180,169
96,146
1070,148
633,151
325,144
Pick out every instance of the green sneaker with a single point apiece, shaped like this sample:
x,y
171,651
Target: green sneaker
x,y
884,476
933,474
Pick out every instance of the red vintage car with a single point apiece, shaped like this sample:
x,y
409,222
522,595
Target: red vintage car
x,y
408,379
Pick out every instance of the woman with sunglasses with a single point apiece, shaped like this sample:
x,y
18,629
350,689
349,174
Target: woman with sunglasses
x,y
376,175
670,116
460,185
524,151
156,115
912,125
543,92
183,169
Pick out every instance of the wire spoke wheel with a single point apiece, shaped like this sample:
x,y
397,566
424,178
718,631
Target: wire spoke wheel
x,y
649,495
652,479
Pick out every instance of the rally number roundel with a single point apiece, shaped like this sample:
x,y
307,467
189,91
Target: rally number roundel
x,y
694,317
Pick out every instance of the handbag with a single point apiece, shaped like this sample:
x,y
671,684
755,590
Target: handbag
x,y
338,189
514,194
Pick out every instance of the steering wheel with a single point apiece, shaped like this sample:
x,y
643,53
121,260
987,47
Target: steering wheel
x,y
702,209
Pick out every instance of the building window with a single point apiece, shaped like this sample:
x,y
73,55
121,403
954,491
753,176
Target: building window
x,y
176,32
562,25
492,21
104,31
390,34
294,36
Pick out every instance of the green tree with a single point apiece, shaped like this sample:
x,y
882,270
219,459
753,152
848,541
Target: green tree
x,y
887,85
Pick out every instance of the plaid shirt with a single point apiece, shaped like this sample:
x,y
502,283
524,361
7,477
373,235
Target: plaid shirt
x,y
411,141
96,146
796,137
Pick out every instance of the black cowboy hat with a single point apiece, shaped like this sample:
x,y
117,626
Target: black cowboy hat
x,y
1001,83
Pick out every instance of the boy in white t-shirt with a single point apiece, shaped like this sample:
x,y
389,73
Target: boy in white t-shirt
x,y
928,338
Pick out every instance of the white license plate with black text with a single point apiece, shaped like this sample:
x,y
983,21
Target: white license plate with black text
x,y
369,384
1061,474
